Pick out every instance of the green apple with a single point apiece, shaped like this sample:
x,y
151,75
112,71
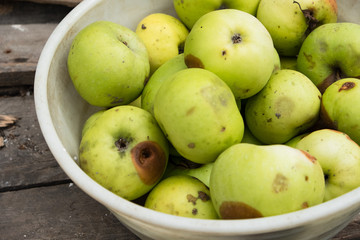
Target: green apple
x,y
157,78
288,105
235,46
249,137
91,120
182,166
251,181
294,141
331,52
125,151
183,196
108,64
163,36
288,63
289,22
189,11
198,113
339,107
339,157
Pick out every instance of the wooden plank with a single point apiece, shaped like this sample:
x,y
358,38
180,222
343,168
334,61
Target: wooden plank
x,y
25,159
57,212
20,12
21,46
69,3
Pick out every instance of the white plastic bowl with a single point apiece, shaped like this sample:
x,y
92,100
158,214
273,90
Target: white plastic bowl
x,y
61,113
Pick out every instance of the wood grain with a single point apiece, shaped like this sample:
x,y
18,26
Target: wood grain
x,y
60,212
69,3
25,156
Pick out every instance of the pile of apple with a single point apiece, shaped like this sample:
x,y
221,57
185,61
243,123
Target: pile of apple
x,y
232,110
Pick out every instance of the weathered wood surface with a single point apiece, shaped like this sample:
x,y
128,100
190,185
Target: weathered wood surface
x,y
37,200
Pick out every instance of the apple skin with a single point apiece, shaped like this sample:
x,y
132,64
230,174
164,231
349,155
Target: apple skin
x,y
162,74
288,105
182,166
189,11
339,157
289,22
125,151
108,64
198,113
240,52
339,107
91,120
251,181
163,36
182,195
331,52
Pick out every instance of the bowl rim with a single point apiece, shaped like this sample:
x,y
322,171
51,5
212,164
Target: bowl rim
x,y
139,213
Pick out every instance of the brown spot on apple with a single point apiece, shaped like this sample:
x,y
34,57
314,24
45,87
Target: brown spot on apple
x,y
304,205
347,86
280,183
238,210
149,160
193,62
191,198
191,145
203,196
309,156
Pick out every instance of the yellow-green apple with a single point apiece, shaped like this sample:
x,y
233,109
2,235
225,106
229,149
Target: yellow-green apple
x,y
91,120
288,62
198,113
163,36
331,52
235,46
162,74
251,181
339,107
182,195
289,22
288,105
108,64
339,157
125,151
189,11
182,166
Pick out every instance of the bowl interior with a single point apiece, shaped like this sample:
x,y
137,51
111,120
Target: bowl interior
x,y
61,113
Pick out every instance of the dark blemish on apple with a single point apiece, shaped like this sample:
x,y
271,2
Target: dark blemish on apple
x,y
123,143
347,86
143,26
236,38
278,115
238,210
149,160
191,145
117,100
194,211
193,62
223,129
7,51
309,156
190,111
306,178
191,198
304,205
269,120
203,196
280,183
223,53
309,59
